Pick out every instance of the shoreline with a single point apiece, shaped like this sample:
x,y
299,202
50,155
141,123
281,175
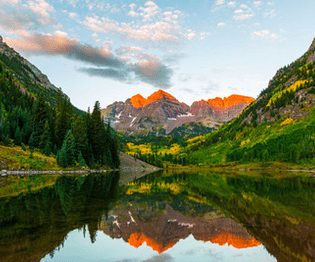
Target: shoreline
x,y
5,172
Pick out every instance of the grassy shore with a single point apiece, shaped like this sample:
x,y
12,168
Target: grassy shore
x,y
16,158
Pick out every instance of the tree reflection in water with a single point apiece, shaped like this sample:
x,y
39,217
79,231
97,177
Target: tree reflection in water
x,y
159,210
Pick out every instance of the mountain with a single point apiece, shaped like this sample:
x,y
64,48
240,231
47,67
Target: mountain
x,y
221,109
161,113
167,227
278,126
25,75
36,115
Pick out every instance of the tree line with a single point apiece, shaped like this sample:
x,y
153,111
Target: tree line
x,y
73,137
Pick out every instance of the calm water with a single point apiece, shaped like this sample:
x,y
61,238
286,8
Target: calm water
x,y
159,217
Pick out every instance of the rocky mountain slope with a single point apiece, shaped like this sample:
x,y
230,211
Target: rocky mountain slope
x,y
25,75
161,113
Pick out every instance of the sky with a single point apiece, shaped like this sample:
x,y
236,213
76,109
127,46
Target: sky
x,y
107,51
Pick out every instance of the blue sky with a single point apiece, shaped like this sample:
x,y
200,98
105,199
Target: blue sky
x,y
111,50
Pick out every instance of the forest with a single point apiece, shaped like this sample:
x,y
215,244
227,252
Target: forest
x,y
54,128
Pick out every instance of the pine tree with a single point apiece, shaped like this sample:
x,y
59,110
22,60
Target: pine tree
x,y
48,148
81,160
31,141
40,115
63,117
79,129
45,137
97,134
66,155
17,136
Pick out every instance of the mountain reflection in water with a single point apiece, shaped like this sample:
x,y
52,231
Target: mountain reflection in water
x,y
169,226
37,213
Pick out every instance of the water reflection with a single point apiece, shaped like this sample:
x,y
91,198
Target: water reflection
x,y
158,211
34,224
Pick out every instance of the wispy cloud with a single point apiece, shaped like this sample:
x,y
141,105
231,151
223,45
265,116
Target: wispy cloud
x,y
159,258
150,71
265,34
257,4
153,72
270,13
244,13
61,44
9,2
147,68
219,2
42,8
231,4
222,24
150,23
239,17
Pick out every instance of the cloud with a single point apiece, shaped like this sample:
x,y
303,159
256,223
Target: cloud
x,y
160,258
148,70
42,8
132,12
150,23
240,16
203,35
231,4
156,32
257,4
61,44
73,15
73,3
159,31
221,24
149,11
271,13
265,34
219,2
116,74
17,22
9,2
152,71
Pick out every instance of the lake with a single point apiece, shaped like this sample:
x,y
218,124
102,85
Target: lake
x,y
183,216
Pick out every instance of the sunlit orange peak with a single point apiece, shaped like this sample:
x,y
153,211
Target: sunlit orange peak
x,y
230,101
138,101
234,240
137,239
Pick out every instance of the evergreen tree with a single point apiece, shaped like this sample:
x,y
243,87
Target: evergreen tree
x,y
31,141
48,148
40,115
81,160
66,155
63,117
45,137
79,129
7,140
18,136
97,134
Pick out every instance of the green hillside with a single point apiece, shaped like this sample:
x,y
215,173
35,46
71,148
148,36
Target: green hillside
x,y
278,126
39,118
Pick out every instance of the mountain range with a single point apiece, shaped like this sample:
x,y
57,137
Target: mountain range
x,y
161,113
170,226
